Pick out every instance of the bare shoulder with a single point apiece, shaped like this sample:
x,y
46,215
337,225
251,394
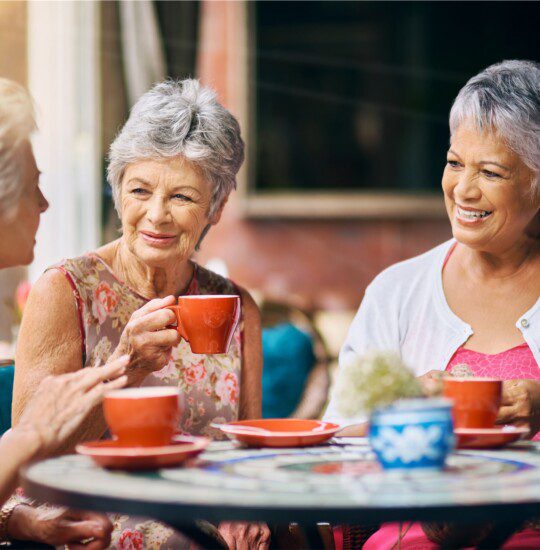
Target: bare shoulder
x,y
251,309
52,289
50,326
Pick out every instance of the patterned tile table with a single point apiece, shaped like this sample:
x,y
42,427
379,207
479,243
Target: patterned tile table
x,y
339,482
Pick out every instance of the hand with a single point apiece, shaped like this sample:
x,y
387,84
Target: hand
x,y
431,382
62,402
520,405
58,526
245,536
147,339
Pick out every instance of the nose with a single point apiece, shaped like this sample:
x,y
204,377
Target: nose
x,y
158,211
467,188
43,203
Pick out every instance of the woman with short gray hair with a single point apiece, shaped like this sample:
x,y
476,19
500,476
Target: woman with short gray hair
x,y
471,305
172,168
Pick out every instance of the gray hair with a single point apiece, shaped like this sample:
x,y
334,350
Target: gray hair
x,y
16,124
506,98
180,117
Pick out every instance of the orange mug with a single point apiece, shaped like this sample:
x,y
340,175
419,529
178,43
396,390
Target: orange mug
x,y
207,322
476,401
143,417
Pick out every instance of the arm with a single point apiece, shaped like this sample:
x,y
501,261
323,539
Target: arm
x,y
50,344
16,449
250,384
58,407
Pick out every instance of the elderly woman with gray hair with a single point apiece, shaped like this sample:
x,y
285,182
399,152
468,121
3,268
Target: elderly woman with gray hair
x,y
171,169
473,300
61,403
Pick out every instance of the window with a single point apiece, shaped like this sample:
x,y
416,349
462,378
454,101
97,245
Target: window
x,y
350,100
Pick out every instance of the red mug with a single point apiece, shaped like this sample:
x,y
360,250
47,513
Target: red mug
x,y
207,322
143,417
476,401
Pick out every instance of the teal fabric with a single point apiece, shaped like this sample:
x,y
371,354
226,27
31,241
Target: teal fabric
x,y
6,394
288,358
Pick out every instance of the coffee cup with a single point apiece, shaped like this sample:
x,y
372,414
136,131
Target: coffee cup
x,y
143,417
476,401
207,322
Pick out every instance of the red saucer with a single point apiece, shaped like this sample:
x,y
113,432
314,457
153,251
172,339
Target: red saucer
x,y
490,438
114,455
280,432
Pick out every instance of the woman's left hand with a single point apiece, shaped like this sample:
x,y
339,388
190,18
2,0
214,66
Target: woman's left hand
x,y
245,536
520,405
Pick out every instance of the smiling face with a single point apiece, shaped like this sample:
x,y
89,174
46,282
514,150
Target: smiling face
x,y
164,207
22,226
487,191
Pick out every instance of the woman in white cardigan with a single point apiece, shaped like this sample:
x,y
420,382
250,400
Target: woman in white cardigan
x,y
474,299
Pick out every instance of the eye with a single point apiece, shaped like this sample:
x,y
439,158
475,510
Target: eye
x,y
453,163
490,174
182,197
139,191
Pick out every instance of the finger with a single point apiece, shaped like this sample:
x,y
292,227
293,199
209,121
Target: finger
x,y
75,531
95,395
88,378
229,539
153,305
160,339
95,544
156,320
507,414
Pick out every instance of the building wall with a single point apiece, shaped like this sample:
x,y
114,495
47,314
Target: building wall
x,y
326,263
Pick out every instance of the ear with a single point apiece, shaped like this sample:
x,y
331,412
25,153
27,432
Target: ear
x,y
217,215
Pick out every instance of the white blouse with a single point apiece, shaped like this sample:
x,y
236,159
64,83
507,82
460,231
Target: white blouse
x,y
405,310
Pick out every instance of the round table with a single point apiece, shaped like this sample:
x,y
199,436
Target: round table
x,y
336,483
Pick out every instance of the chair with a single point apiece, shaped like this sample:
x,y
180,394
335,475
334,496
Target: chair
x,y
7,374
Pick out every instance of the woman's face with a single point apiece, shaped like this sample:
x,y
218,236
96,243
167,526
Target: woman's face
x,y
487,191
19,230
164,205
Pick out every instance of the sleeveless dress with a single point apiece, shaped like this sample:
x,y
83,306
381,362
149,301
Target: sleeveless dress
x,y
210,384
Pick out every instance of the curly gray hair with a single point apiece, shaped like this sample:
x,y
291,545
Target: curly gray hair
x,y
506,97
17,122
180,117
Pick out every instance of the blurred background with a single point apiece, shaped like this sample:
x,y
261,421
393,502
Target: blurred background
x,y
343,106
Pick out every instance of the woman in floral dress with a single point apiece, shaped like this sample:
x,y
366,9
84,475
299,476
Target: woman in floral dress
x,y
171,170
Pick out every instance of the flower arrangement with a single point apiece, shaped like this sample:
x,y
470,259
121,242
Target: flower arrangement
x,y
375,380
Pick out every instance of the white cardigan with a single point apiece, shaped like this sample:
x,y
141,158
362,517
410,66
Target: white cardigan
x,y
404,310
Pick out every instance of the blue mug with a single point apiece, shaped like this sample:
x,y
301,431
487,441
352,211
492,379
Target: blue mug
x,y
413,434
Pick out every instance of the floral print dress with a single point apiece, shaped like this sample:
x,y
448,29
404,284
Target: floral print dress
x,y
210,384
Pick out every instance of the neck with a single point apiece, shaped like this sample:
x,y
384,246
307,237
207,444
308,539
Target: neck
x,y
503,263
149,281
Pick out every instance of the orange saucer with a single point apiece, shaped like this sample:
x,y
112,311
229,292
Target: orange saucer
x,y
279,432
489,438
112,454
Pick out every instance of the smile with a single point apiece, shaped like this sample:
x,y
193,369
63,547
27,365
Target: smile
x,y
472,215
157,239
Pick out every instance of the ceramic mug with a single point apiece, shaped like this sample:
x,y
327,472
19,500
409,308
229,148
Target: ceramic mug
x,y
207,322
143,417
476,401
412,434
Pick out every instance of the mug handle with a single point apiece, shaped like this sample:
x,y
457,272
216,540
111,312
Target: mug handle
x,y
179,326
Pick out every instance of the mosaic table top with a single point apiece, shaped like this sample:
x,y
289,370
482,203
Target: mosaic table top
x,y
329,482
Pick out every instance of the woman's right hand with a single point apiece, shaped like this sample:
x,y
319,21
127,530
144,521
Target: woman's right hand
x,y
62,402
148,339
59,526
